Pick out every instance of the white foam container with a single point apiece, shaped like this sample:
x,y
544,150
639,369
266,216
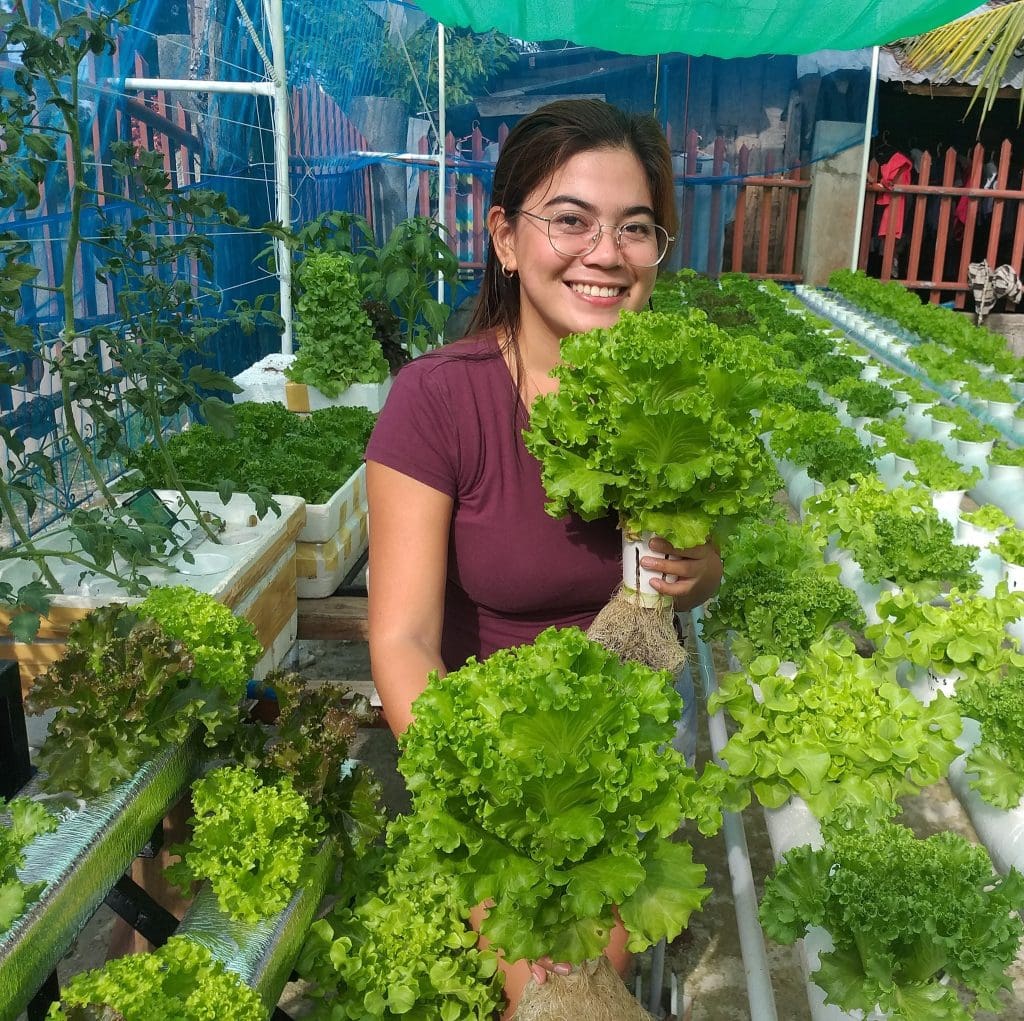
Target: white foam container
x,y
265,382
320,567
323,520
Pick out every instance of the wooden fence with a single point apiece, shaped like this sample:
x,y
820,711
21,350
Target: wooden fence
x,y
322,137
974,211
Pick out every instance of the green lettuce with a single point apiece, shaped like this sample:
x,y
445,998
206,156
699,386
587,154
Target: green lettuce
x,y
653,419
840,734
28,819
996,700
225,647
902,913
250,840
543,779
180,981
778,595
396,944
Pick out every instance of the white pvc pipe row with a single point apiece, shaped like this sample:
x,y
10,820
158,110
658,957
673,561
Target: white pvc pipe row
x,y
755,957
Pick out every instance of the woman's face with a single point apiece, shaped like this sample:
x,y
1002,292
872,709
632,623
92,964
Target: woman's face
x,y
560,294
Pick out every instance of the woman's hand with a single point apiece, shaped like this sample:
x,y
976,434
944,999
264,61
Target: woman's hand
x,y
543,966
697,570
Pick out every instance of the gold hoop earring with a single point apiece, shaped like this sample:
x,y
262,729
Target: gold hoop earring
x,y
507,273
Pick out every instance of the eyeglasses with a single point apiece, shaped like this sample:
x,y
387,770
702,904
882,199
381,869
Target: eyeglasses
x,y
575,233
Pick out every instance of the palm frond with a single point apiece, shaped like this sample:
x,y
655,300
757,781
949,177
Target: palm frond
x,y
985,41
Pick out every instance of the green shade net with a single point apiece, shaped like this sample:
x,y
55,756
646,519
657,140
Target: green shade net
x,y
742,28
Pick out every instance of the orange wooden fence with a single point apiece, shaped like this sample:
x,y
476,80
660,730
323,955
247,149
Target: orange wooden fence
x,y
974,211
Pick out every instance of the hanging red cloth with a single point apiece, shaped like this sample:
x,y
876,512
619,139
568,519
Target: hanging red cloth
x,y
895,171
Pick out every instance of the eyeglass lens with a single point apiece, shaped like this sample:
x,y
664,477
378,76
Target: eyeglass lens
x,y
576,233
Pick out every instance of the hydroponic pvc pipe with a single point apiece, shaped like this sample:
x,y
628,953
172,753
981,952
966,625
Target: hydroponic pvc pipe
x,y
789,826
262,954
80,861
755,957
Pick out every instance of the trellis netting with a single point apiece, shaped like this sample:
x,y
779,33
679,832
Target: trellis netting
x,y
363,120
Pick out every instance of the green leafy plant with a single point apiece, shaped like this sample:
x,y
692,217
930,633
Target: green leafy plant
x,y
895,535
309,742
1003,453
830,451
965,632
181,980
829,369
974,431
983,389
652,419
841,734
272,450
903,913
397,945
123,690
336,343
471,59
778,595
950,413
942,327
1010,546
996,701
544,779
932,468
864,399
988,516
914,389
114,382
250,841
892,430
224,648
27,820
404,273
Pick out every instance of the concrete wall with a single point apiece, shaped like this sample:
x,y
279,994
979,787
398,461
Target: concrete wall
x,y
1011,326
831,214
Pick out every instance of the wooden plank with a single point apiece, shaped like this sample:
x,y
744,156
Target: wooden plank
x,y
920,211
945,214
792,213
341,618
967,242
33,659
998,205
740,215
1018,233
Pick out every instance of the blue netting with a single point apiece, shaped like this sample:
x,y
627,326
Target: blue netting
x,y
724,119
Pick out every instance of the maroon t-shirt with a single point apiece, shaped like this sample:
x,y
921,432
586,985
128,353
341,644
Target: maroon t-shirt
x,y
454,422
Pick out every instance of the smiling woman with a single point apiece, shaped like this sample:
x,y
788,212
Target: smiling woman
x,y
463,557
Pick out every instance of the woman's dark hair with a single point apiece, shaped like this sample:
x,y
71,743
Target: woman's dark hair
x,y
540,144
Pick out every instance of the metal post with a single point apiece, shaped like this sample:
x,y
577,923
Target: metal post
x,y
869,119
281,170
442,130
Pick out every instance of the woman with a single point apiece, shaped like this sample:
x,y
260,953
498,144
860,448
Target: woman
x,y
463,558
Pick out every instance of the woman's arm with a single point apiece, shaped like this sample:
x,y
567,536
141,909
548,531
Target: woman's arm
x,y
408,527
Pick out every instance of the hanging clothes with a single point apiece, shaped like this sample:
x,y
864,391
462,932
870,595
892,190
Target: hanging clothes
x,y
895,171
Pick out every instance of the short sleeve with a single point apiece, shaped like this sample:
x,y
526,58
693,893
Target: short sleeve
x,y
415,433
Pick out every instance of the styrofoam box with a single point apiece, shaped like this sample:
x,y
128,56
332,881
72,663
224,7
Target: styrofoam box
x,y
302,398
265,382
320,567
323,520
